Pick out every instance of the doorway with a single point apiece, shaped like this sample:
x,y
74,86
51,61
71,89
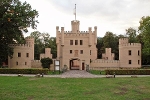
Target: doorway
x,y
74,64
83,67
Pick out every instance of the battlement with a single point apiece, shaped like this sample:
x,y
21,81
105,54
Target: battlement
x,y
38,61
29,37
123,40
19,45
105,61
130,44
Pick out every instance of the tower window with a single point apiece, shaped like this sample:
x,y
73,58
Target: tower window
x,y
81,42
16,63
81,51
19,54
130,62
70,51
27,54
129,52
138,62
25,63
138,52
90,52
71,42
76,42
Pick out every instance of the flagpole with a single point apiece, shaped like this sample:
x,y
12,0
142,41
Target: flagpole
x,y
75,11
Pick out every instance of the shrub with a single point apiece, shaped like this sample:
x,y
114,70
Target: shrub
x,y
23,71
46,62
129,72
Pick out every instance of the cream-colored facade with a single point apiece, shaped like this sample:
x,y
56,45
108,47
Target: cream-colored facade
x,y
23,56
77,49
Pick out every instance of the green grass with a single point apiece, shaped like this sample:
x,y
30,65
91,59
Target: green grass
x,y
31,88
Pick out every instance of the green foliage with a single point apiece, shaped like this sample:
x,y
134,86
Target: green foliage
x,y
42,41
97,72
144,30
100,47
23,71
129,72
131,34
15,18
46,62
111,40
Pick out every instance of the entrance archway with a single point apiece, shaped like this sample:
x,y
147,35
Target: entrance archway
x,y
74,64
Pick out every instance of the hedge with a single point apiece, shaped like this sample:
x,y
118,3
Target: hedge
x,y
129,72
23,71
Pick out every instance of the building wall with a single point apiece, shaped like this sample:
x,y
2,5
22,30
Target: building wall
x,y
108,55
105,63
38,64
23,54
124,56
46,54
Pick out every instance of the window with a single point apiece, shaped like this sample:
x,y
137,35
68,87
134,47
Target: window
x,y
76,42
25,63
138,62
129,52
81,51
130,62
138,52
19,54
16,63
76,53
27,54
71,42
70,51
81,42
90,52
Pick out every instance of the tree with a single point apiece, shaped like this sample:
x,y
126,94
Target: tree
x,y
100,47
131,34
111,41
46,62
15,18
42,41
144,30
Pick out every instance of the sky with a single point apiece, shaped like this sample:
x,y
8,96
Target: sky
x,y
108,15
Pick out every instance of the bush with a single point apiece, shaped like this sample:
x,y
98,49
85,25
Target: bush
x,y
129,72
23,71
46,62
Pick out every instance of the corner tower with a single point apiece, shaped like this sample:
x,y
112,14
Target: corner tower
x,y
30,43
129,54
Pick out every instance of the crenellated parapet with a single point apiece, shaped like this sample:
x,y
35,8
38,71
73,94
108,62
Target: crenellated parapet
x,y
20,45
123,41
105,61
38,61
130,45
29,37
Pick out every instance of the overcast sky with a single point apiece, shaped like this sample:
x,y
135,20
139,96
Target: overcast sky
x,y
108,15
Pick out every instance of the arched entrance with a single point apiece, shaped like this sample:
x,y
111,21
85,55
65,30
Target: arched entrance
x,y
75,64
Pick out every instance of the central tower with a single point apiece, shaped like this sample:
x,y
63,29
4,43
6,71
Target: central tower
x,y
75,26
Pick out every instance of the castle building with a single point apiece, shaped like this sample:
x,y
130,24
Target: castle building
x,y
77,50
23,56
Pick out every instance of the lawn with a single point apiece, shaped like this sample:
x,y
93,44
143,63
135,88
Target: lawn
x,y
31,88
